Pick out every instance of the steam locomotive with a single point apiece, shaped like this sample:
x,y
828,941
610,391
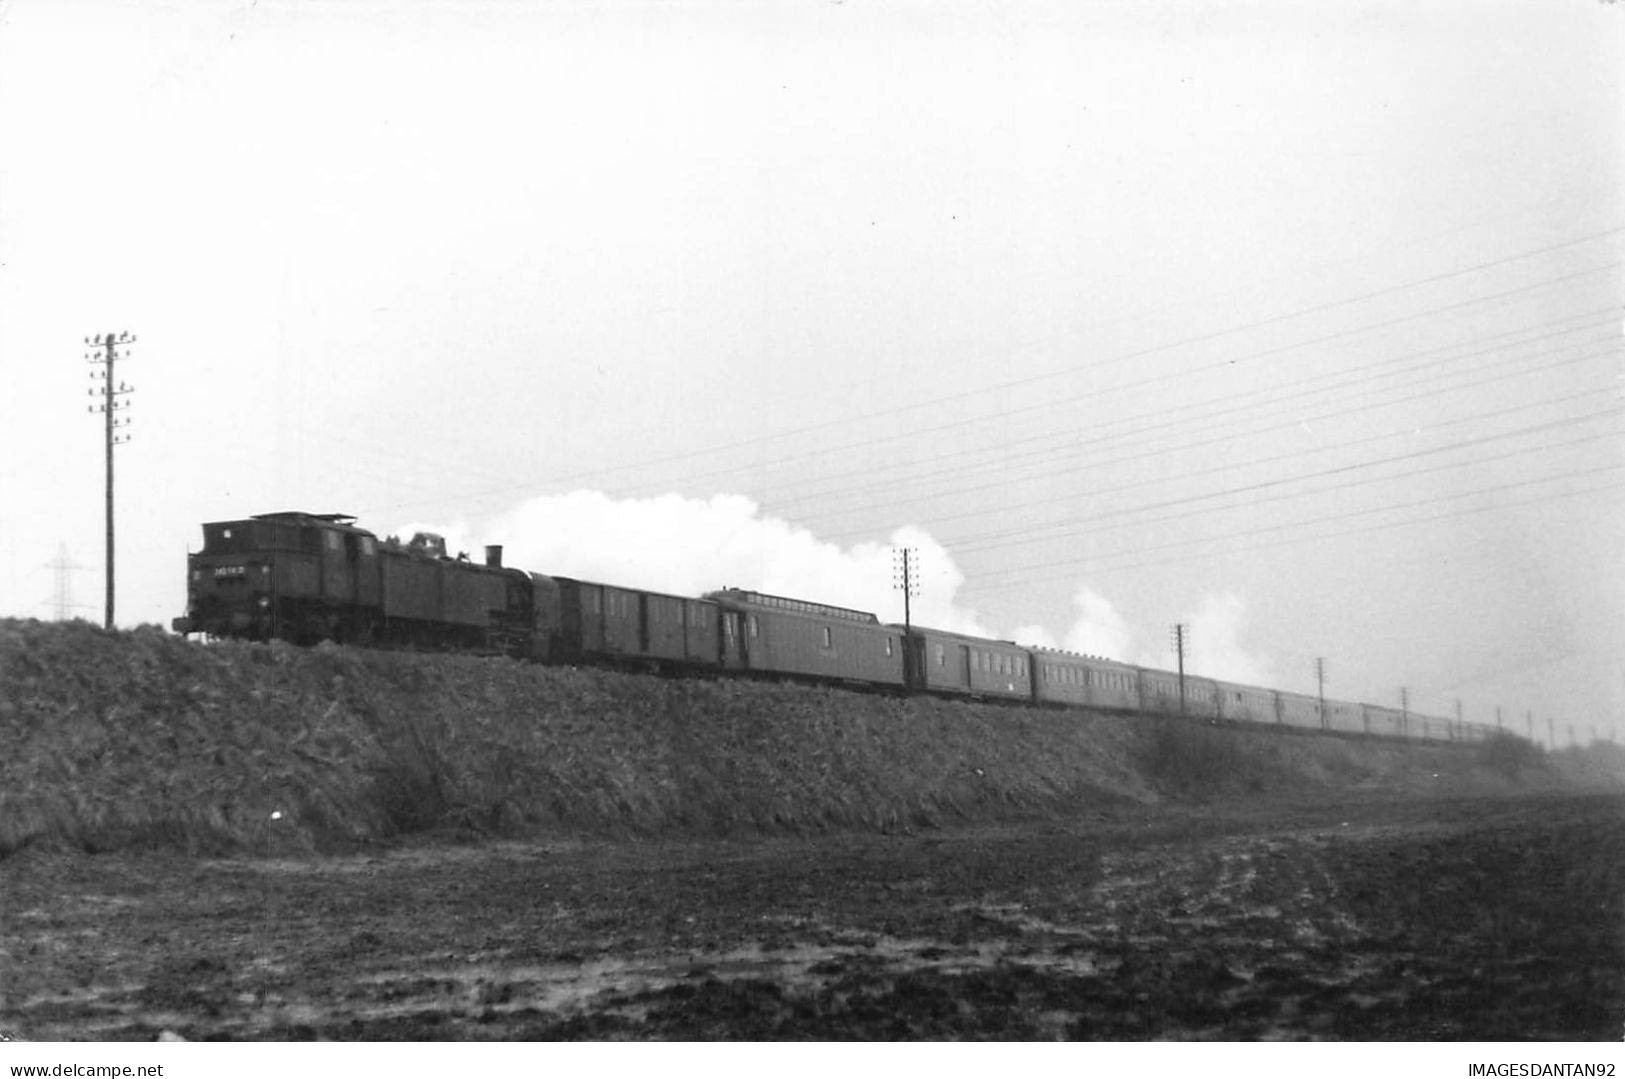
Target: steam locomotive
x,y
307,577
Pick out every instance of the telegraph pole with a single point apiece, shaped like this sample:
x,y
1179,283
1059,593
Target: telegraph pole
x,y
1180,629
1404,712
1320,679
114,401
905,563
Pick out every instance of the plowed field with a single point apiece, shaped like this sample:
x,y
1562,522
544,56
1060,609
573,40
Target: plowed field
x,y
1469,919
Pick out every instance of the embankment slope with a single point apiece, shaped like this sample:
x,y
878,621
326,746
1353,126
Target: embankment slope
x,y
139,738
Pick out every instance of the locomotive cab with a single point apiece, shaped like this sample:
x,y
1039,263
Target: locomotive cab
x,y
297,576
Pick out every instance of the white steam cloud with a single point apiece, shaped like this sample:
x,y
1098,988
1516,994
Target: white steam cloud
x,y
690,546
1213,641
1097,629
1215,647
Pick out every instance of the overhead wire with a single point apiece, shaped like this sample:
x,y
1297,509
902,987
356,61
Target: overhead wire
x,y
1121,358
941,518
990,581
1168,418
1007,479
1359,465
1002,539
1544,448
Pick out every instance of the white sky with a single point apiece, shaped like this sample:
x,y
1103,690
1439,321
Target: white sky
x,y
1299,323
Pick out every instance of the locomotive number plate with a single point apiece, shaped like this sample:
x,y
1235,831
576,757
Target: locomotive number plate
x,y
228,571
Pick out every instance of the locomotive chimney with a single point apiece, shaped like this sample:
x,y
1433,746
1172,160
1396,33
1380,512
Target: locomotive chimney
x,y
493,554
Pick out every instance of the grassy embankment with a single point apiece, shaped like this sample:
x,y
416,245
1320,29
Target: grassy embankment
x,y
136,739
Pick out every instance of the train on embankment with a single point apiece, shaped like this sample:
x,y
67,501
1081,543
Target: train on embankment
x,y
305,578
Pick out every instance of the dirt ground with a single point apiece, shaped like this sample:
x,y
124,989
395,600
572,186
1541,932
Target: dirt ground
x,y
1426,920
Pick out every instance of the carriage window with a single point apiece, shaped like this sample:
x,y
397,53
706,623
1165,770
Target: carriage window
x,y
750,623
826,637
942,656
888,646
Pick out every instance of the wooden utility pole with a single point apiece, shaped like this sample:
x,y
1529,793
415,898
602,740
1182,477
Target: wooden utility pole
x,y
1320,680
1180,630
905,561
113,395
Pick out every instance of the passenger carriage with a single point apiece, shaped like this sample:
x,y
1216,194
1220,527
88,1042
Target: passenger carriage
x,y
1087,681
776,634
957,663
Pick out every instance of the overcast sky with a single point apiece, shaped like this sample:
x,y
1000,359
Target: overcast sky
x,y
1300,324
